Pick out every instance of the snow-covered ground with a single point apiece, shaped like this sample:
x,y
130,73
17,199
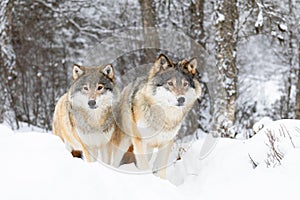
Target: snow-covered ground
x,y
36,165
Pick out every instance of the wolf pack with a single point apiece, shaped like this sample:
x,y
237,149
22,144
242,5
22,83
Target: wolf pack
x,y
98,122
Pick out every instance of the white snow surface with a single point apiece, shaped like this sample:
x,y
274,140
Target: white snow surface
x,y
36,165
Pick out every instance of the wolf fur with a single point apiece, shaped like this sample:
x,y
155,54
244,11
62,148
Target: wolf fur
x,y
152,109
83,116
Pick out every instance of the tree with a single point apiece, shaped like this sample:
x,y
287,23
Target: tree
x,y
226,41
197,20
149,23
279,19
298,87
7,60
295,35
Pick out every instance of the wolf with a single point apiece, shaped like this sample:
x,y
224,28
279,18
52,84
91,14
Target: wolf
x,y
152,109
83,116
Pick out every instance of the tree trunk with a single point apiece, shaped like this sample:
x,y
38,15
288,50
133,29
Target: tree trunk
x,y
226,41
7,56
291,70
151,38
298,87
197,17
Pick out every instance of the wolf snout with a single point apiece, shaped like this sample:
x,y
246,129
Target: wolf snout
x,y
92,103
181,101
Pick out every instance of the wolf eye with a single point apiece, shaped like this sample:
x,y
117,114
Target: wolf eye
x,y
185,84
100,87
170,83
86,88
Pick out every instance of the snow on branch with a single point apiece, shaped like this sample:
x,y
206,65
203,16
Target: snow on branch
x,y
84,30
219,18
260,19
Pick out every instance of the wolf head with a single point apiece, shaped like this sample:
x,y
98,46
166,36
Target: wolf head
x,y
174,84
92,86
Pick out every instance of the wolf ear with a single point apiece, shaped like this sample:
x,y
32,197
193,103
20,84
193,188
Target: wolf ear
x,y
77,71
161,63
108,70
190,66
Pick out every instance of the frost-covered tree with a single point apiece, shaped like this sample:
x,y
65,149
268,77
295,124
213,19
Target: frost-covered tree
x,y
40,40
197,21
226,39
7,62
47,38
149,23
279,20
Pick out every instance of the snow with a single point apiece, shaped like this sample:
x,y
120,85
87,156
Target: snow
x,y
36,165
283,27
273,33
257,80
220,18
39,74
260,19
280,37
286,135
261,124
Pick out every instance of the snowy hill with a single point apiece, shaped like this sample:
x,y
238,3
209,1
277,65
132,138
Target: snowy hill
x,y
36,166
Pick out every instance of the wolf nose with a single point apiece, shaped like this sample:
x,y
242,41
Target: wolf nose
x,y
181,100
92,103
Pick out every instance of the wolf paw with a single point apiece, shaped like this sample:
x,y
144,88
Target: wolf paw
x,y
160,173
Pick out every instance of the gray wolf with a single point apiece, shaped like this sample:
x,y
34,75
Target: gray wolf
x,y
152,109
83,116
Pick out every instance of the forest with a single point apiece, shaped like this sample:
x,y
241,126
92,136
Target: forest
x,y
248,54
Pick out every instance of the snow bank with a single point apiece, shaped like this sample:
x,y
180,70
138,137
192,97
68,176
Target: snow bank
x,y
5,131
281,135
37,166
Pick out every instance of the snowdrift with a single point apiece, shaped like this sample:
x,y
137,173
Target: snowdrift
x,y
36,166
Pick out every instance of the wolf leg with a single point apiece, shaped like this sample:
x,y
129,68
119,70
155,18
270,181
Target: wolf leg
x,y
68,146
90,155
161,161
105,152
149,152
119,150
86,156
140,151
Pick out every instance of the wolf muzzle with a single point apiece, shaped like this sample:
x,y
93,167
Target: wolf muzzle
x,y
92,104
180,101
